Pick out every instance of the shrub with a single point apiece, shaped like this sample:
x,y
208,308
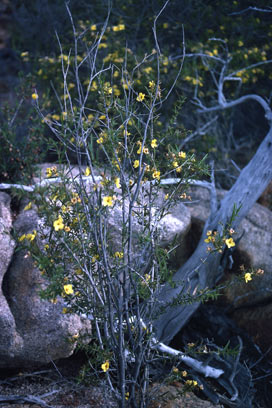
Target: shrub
x,y
112,281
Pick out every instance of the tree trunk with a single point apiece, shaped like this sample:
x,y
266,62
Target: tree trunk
x,y
203,270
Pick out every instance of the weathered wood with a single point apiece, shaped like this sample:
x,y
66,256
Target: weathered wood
x,y
201,270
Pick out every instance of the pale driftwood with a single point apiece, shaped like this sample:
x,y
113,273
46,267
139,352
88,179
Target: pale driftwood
x,y
202,271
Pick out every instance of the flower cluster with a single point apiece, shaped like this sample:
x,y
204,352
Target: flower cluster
x,y
217,241
29,237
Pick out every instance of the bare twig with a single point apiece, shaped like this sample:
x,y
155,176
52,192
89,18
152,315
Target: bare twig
x,y
252,8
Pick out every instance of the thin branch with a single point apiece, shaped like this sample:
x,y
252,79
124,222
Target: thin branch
x,y
257,64
213,201
251,8
16,113
227,105
199,132
198,366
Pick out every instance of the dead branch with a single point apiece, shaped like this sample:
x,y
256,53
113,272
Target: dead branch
x,y
202,271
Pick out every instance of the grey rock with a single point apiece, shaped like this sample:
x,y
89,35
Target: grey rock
x,y
40,331
9,338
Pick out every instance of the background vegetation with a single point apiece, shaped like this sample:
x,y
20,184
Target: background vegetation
x,y
246,34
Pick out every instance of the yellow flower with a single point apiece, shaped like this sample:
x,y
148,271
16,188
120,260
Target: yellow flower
x,y
175,370
127,395
147,168
151,84
147,70
136,164
105,366
64,115
51,171
116,164
67,229
107,201
140,97
119,254
209,232
34,96
31,237
154,143
108,88
28,206
102,45
230,243
64,57
117,91
184,373
119,27
126,133
166,196
22,237
165,25
56,117
175,164
87,171
147,277
140,147
182,155
100,140
68,289
156,174
95,258
58,224
117,182
93,27
248,277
